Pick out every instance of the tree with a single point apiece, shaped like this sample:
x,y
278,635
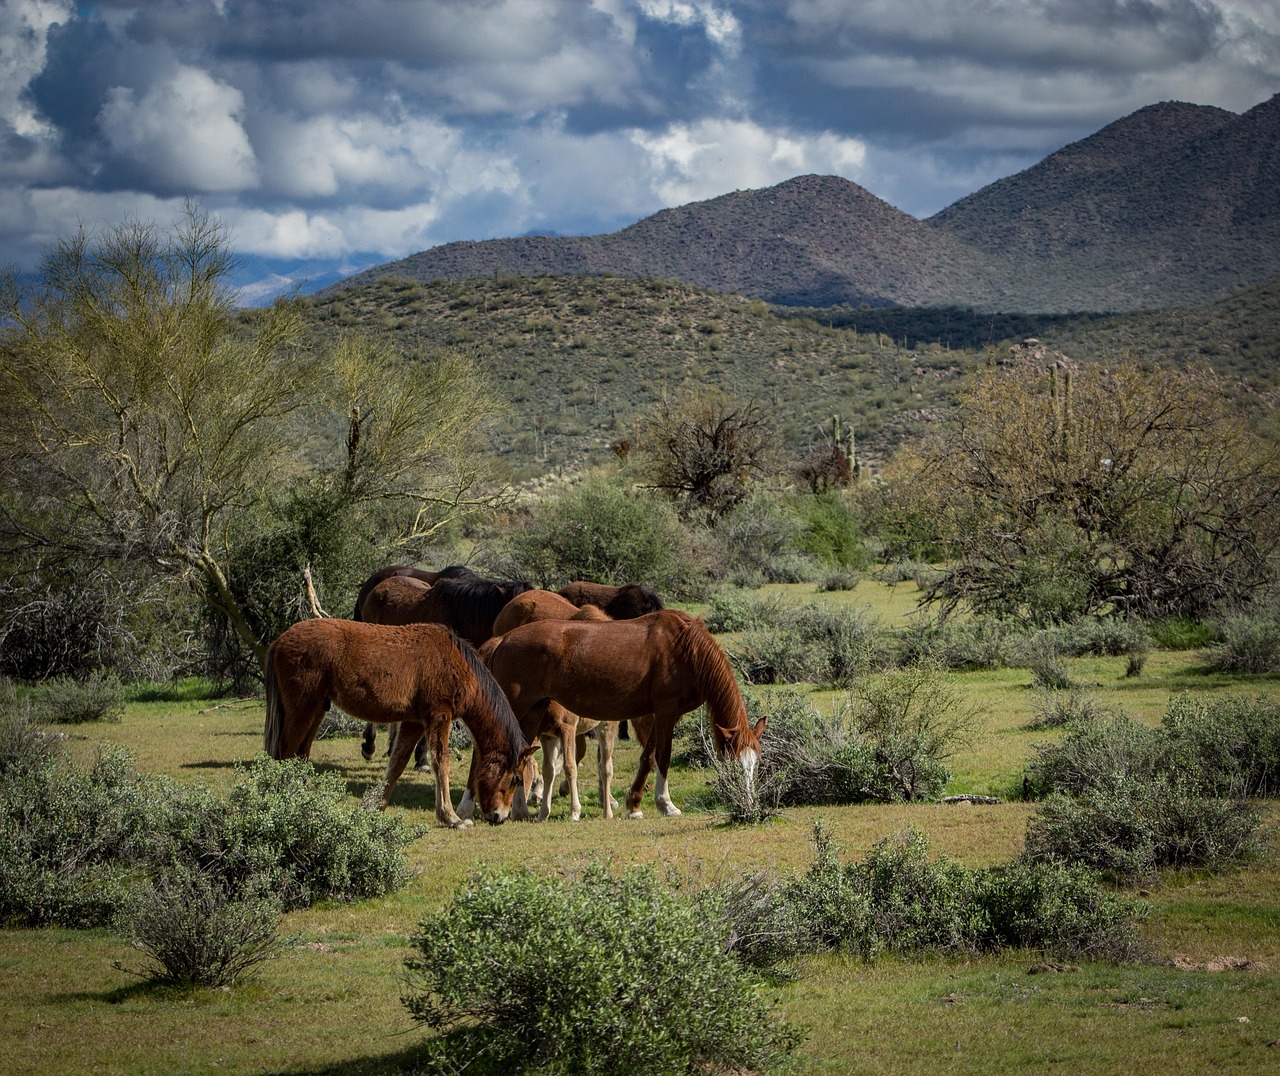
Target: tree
x,y
1060,489
144,419
705,451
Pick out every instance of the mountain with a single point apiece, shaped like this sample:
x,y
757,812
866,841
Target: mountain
x,y
1175,204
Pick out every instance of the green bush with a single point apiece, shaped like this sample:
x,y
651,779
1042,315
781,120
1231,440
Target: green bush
x,y
732,609
1229,746
606,533
808,643
899,900
198,930
602,973
1128,829
68,700
1247,643
831,531
980,642
1094,754
1180,633
1054,709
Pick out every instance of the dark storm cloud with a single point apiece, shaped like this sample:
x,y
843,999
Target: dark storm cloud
x,y
340,133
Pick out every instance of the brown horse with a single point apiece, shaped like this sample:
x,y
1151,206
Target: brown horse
x,y
457,598
563,735
624,602
420,677
407,571
664,664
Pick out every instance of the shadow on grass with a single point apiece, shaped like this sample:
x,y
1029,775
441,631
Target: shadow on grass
x,y
476,1051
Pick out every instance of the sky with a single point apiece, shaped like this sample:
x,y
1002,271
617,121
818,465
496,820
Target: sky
x,y
332,135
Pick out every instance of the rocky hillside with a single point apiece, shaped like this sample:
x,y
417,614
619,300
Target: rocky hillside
x,y
1175,204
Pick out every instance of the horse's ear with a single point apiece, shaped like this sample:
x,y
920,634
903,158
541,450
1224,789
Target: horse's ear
x,y
758,730
526,755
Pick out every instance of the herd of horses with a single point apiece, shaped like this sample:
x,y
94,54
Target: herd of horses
x,y
521,668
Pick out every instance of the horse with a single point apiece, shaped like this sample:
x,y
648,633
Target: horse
x,y
624,602
563,735
664,664
417,676
466,603
407,571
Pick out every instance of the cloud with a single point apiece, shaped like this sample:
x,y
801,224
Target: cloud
x,y
183,133
691,163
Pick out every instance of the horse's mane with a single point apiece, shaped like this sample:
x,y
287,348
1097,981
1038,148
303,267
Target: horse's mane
x,y
493,695
714,675
471,605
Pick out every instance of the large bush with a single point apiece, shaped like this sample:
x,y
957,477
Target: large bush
x,y
603,973
607,533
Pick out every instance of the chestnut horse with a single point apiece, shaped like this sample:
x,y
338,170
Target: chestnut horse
x,y
455,597
562,735
407,571
664,664
419,676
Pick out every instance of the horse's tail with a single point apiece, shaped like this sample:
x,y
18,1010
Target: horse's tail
x,y
715,679
273,730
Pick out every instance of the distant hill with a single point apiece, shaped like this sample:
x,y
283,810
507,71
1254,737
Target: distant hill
x,y
1174,205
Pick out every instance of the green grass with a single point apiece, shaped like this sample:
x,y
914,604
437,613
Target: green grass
x,y
331,1004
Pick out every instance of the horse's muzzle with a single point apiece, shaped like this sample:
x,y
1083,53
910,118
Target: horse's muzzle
x,y
494,818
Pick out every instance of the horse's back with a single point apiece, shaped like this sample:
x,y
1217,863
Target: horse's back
x,y
530,606
398,599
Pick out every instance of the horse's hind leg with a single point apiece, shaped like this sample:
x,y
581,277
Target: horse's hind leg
x,y
606,737
552,758
636,794
661,738
370,742
398,759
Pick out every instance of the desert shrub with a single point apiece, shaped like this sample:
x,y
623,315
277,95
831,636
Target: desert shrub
x,y
1042,654
808,643
67,700
900,900
757,540
982,642
199,930
1053,709
1058,908
653,987
70,839
604,532
26,744
1230,746
733,609
831,532
1095,754
1109,636
1129,829
844,579
1247,643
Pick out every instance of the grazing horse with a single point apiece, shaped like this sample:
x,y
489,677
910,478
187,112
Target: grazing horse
x,y
563,735
464,602
407,571
419,676
621,603
665,664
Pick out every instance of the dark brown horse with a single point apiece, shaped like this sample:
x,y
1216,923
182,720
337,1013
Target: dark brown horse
x,y
624,602
407,571
420,677
664,664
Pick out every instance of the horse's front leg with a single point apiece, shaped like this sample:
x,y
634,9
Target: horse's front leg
x,y
636,794
369,743
438,733
552,754
660,740
606,737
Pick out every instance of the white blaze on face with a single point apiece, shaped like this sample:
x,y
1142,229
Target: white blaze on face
x,y
749,760
467,807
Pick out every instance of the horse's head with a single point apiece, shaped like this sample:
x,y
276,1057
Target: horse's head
x,y
499,788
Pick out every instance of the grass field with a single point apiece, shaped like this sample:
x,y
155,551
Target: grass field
x,y
1212,1002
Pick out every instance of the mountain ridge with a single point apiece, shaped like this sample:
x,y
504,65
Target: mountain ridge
x,y
1171,205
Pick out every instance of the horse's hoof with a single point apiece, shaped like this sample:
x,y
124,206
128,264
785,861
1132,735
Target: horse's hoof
x,y
671,812
635,814
366,753
422,767
460,823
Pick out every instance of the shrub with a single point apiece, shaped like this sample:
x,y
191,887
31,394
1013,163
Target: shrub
x,y
652,986
809,643
1228,746
845,579
831,531
603,532
199,930
1053,709
1247,643
899,900
1042,654
733,609
67,700
975,643
1180,633
1094,754
1130,829
26,745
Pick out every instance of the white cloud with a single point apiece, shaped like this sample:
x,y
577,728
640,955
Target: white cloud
x,y
24,26
185,131
720,25
694,162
